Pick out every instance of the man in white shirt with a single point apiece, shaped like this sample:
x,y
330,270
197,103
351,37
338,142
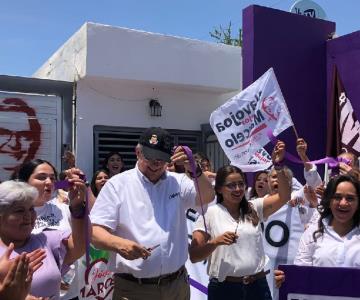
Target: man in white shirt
x,y
139,215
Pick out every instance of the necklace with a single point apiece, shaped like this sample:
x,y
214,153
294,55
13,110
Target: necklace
x,y
237,225
236,228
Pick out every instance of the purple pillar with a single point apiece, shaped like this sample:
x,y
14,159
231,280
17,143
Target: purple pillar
x,y
295,46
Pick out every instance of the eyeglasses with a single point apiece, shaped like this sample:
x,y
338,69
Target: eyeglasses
x,y
348,198
233,185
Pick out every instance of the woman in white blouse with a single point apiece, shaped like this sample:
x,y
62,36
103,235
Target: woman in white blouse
x,y
335,240
232,235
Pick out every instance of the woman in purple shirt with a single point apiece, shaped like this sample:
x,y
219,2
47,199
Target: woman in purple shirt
x,y
17,219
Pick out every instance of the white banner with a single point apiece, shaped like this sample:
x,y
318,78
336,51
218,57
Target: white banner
x,y
260,160
241,124
349,126
196,271
96,282
282,233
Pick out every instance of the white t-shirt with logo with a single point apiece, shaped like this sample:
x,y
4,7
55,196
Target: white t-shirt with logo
x,y
52,215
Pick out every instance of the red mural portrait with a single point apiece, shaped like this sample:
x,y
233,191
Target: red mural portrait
x,y
20,133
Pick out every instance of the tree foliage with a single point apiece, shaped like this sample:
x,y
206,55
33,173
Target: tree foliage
x,y
224,35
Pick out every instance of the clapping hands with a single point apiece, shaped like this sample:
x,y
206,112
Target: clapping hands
x,y
16,274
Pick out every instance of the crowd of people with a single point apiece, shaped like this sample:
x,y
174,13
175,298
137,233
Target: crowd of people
x,y
139,217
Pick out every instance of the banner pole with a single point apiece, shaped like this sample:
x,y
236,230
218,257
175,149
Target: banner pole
x,y
326,174
295,131
293,126
286,107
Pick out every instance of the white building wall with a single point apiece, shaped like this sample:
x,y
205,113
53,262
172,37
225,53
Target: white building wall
x,y
121,53
127,104
119,70
68,63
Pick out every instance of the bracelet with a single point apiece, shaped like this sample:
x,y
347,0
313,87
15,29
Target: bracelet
x,y
78,212
198,172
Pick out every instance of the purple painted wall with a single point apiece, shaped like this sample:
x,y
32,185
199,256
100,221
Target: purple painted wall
x,y
344,51
295,46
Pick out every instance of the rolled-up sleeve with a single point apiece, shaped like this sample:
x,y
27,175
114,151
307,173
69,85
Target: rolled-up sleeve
x,y
105,211
188,192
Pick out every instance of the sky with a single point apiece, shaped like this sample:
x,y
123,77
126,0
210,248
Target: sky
x,y
32,30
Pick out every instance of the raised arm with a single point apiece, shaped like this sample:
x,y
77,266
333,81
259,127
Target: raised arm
x,y
273,202
205,187
311,174
301,148
76,243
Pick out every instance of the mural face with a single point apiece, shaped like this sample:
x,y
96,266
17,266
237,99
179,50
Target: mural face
x,y
20,133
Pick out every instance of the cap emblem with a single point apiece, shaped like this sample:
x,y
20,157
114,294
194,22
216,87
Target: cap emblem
x,y
153,140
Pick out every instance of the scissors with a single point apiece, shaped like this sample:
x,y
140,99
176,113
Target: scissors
x,y
154,247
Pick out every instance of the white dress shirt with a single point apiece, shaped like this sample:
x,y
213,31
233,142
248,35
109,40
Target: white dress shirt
x,y
134,208
312,177
330,249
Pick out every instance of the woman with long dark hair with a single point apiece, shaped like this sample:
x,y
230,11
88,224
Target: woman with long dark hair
x,y
232,235
98,180
51,214
338,228
113,163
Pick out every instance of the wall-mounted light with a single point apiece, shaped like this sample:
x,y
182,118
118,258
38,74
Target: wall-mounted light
x,y
155,108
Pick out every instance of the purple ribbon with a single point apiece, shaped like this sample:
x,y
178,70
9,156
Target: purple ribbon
x,y
198,286
65,184
188,153
331,161
87,227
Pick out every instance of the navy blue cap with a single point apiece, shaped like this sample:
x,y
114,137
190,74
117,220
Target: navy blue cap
x,y
157,144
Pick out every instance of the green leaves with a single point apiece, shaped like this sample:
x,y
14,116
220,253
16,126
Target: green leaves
x,y
223,35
